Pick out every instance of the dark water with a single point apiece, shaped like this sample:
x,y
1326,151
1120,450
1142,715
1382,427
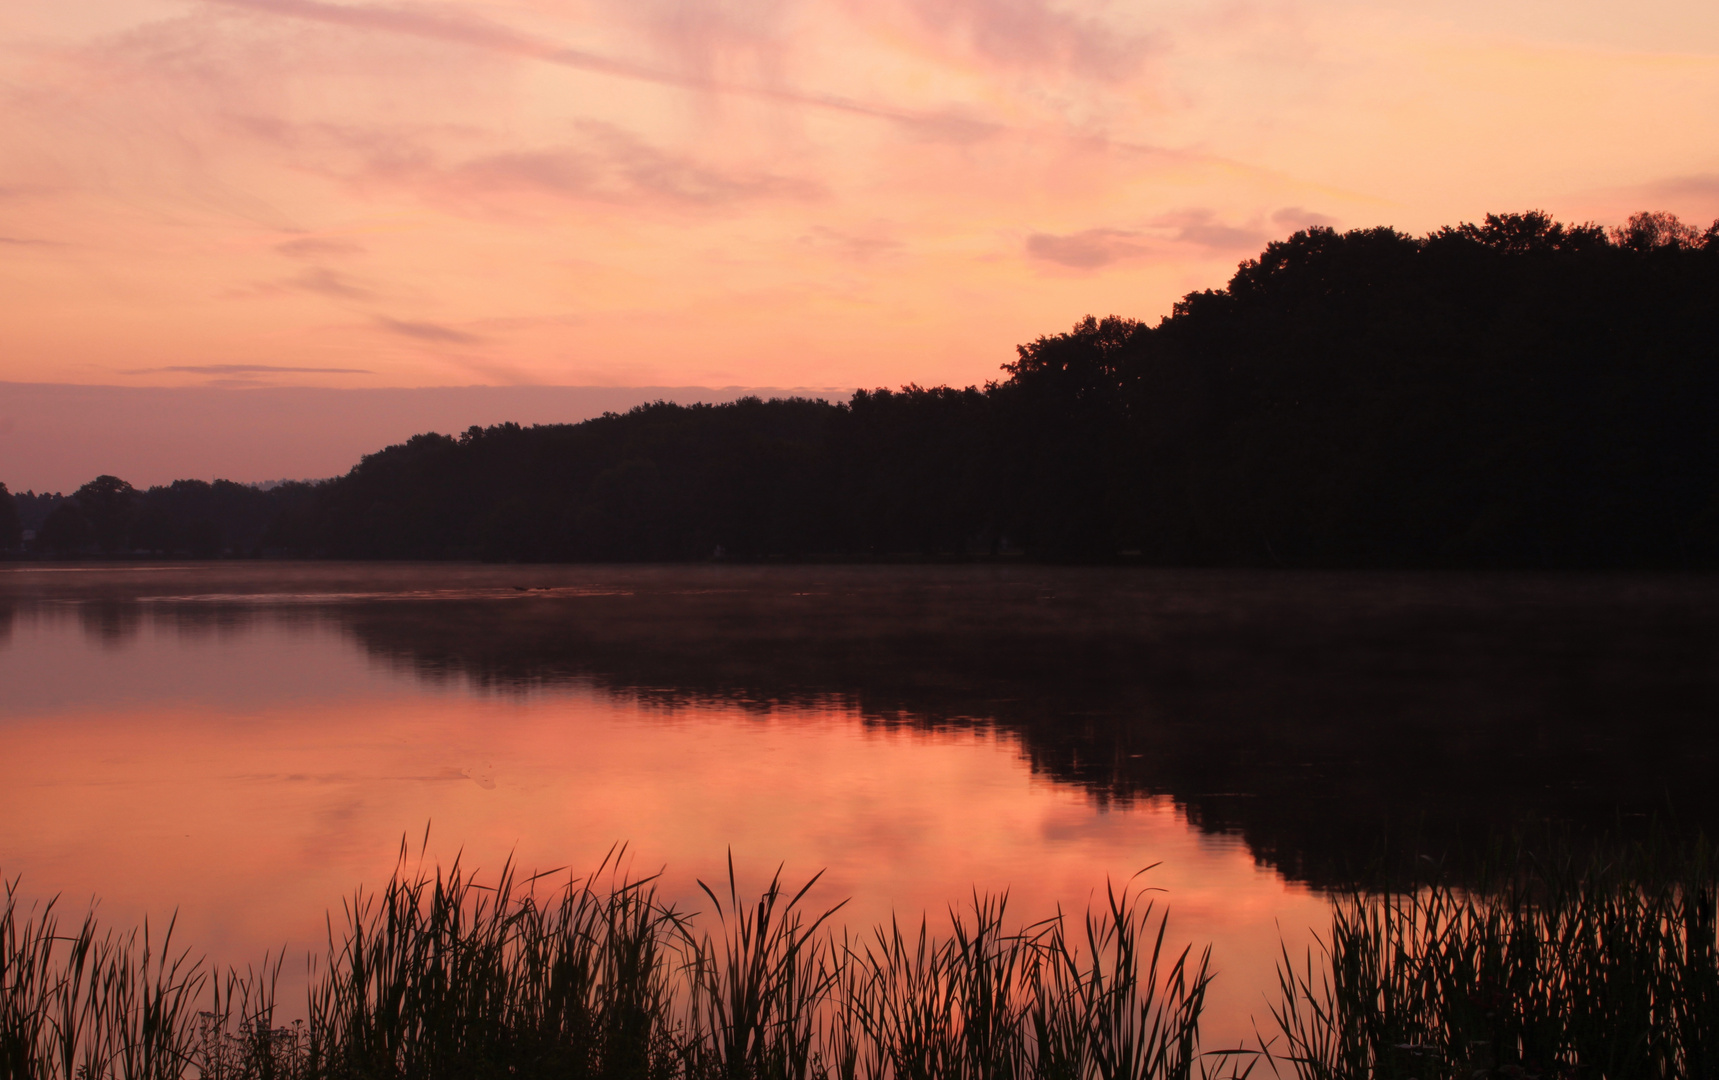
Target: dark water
x,y
249,741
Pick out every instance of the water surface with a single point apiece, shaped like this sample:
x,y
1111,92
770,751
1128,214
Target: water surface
x,y
248,742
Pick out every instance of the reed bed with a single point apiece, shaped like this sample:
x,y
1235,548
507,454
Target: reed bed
x,y
1602,968
443,976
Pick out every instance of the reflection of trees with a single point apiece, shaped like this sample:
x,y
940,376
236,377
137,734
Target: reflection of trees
x,y
1314,716
113,623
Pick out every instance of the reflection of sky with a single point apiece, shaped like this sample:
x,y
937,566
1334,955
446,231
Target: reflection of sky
x,y
81,660
253,771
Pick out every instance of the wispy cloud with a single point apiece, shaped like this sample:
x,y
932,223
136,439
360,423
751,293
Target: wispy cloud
x,y
318,279
1700,190
613,165
1033,35
245,369
598,162
477,33
1295,217
861,246
1692,196
1203,227
426,331
316,247
1091,249
1088,249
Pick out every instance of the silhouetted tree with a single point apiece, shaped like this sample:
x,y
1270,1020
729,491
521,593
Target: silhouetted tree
x,y
107,503
66,531
11,527
915,472
1646,231
1065,412
34,507
1516,392
203,519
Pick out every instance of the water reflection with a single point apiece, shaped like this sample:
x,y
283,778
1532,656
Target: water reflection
x,y
252,741
1322,718
1330,721
113,623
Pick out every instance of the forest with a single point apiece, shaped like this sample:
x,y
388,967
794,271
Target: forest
x,y
1517,393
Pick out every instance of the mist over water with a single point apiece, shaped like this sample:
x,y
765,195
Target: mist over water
x,y
249,742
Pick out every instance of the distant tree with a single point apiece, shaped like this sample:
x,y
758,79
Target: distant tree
x,y
1517,392
1064,424
915,472
107,503
11,527
33,507
1534,231
203,519
202,539
66,530
1656,229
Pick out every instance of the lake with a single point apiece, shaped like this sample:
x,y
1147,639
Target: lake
x,y
246,743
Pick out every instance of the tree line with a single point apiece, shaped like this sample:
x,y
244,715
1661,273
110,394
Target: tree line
x,y
107,516
1514,393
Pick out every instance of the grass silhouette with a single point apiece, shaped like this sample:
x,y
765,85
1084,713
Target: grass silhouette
x,y
1592,966
441,975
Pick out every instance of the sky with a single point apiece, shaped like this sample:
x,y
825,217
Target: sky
x,y
334,193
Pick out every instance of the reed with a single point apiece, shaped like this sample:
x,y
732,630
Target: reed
x,y
93,1003
1557,967
440,975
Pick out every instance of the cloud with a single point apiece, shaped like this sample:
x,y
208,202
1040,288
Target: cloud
x,y
1093,248
321,280
1086,250
1701,184
246,369
1033,35
601,163
1693,197
493,371
426,331
313,247
607,165
313,279
1201,226
856,247
1295,218
1697,194
476,33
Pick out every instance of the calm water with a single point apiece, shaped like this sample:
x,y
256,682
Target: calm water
x,y
245,743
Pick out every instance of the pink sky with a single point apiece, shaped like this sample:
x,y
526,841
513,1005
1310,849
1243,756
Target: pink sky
x,y
763,192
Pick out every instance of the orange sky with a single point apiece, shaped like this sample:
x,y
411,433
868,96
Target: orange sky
x,y
763,192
